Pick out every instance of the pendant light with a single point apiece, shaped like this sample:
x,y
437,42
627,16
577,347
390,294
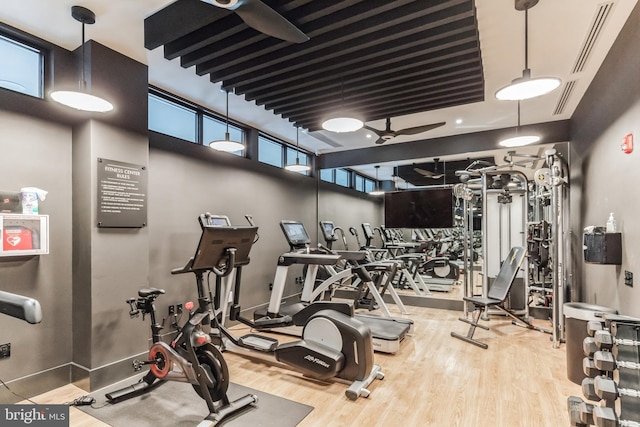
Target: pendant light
x,y
519,140
377,191
526,87
81,99
342,121
226,144
297,167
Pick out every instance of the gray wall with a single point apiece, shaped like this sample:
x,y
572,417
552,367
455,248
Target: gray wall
x,y
603,179
38,153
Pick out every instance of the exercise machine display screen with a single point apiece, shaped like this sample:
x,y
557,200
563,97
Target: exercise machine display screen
x,y
368,232
327,230
295,233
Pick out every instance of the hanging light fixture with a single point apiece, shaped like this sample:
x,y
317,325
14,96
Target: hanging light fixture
x,y
342,121
226,144
81,99
297,167
526,87
377,191
519,140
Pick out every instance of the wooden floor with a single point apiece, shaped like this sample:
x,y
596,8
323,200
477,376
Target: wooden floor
x,y
434,380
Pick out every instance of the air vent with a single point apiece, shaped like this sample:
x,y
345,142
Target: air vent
x,y
597,24
564,97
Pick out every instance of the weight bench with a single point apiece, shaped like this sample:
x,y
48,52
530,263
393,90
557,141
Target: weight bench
x,y
496,297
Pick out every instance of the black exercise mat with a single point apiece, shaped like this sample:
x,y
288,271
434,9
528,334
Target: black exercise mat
x,y
175,404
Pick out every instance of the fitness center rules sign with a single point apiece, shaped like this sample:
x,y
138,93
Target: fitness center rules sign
x,y
34,415
122,194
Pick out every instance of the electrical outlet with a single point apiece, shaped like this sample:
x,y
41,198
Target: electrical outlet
x,y
5,350
178,308
172,310
270,286
628,278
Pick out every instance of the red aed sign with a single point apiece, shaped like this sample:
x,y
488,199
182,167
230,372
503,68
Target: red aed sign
x,y
17,239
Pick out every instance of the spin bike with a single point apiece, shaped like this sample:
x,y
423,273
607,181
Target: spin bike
x,y
191,357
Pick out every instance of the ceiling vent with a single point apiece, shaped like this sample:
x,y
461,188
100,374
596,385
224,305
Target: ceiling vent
x,y
564,97
595,29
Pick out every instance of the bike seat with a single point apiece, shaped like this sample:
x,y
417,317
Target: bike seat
x,y
145,292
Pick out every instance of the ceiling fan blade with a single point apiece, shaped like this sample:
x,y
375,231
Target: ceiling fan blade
x,y
419,129
428,174
374,130
261,17
381,141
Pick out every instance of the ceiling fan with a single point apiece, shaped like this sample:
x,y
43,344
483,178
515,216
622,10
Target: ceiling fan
x,y
261,17
435,174
387,133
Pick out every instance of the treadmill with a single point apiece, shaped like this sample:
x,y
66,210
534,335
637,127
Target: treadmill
x,y
387,332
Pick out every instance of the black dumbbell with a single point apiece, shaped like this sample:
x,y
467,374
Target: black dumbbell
x,y
607,417
592,370
604,361
580,412
589,346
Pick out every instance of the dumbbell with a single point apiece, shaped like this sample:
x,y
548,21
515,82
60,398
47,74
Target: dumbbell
x,y
607,417
593,326
604,361
606,389
605,341
589,346
580,412
592,370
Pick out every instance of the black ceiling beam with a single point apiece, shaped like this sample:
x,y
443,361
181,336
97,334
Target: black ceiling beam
x,y
466,61
211,48
301,104
374,76
385,96
341,38
179,19
381,56
551,132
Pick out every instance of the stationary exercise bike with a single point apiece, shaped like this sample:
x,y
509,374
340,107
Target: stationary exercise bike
x,y
191,357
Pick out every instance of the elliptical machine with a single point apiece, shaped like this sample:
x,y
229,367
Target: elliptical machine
x,y
333,344
191,357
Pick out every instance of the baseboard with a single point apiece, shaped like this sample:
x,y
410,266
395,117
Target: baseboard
x,y
38,383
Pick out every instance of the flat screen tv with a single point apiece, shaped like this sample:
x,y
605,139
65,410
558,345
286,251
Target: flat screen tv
x,y
425,208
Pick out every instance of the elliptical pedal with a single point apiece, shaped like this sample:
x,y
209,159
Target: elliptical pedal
x,y
258,342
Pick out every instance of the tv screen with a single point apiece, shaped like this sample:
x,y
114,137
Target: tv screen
x,y
428,208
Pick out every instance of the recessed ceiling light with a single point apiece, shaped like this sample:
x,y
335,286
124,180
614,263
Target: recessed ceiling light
x,y
458,121
369,135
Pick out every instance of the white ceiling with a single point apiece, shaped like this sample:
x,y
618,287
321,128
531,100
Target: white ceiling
x,y
557,30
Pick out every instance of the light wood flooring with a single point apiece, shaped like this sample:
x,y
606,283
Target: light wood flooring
x,y
434,380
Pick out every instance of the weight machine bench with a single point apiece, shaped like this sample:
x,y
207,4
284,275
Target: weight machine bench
x,y
496,297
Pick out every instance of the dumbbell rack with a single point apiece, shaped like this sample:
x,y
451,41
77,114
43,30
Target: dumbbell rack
x,y
612,369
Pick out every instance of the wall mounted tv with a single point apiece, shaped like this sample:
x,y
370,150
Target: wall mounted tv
x,y
427,208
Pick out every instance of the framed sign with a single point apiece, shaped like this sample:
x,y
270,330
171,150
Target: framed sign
x,y
122,194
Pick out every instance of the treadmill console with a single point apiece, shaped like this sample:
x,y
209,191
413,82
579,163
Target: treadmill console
x,y
295,234
328,231
208,220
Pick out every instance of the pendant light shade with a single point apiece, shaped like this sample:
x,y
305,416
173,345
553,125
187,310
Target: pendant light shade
x,y
297,167
519,140
82,99
342,123
226,144
526,87
377,191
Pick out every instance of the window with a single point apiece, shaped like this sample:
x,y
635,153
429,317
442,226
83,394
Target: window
x,y
172,119
270,152
326,175
343,177
359,183
369,185
213,129
21,67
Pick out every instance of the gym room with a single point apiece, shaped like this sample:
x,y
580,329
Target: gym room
x,y
319,213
